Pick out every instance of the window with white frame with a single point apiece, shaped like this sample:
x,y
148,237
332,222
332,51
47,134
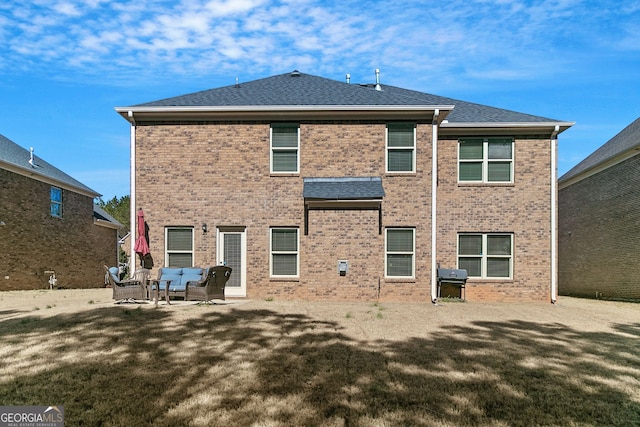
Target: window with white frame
x,y
400,252
285,148
178,247
55,196
401,147
485,160
486,256
284,252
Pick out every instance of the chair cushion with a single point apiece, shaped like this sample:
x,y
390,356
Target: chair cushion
x,y
115,273
189,275
175,280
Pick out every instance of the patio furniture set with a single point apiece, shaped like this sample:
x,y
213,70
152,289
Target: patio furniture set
x,y
192,284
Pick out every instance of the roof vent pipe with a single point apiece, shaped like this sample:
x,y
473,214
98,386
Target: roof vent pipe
x,y
32,160
348,78
378,87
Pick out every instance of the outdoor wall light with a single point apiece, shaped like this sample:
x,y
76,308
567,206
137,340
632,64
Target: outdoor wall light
x,y
204,228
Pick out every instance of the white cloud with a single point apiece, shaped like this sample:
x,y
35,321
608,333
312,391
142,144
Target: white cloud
x,y
506,39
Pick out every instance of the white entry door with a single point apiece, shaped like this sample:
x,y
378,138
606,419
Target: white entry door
x,y
232,252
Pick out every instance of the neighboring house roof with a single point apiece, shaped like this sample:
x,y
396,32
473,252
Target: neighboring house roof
x,y
305,91
102,217
19,160
622,146
343,188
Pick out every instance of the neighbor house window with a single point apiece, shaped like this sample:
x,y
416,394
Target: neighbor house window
x,y
485,160
401,147
486,256
179,247
400,250
285,148
56,202
284,252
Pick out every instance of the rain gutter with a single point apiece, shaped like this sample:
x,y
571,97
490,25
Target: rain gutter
x,y
132,178
554,214
434,204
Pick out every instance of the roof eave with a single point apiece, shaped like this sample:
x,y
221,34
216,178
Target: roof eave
x,y
571,178
47,179
503,127
107,224
270,112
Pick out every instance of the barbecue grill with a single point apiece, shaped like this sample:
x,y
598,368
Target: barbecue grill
x,y
455,277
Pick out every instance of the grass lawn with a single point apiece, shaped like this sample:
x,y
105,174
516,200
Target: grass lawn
x,y
277,363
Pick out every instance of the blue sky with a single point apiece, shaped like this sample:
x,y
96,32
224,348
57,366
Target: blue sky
x,y
65,64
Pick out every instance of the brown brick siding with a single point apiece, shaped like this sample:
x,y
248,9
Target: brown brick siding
x,y
32,241
218,173
599,231
522,208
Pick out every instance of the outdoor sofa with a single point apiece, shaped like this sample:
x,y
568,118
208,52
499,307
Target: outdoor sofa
x,y
172,281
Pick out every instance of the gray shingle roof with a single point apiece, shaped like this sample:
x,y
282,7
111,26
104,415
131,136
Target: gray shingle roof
x,y
306,90
627,139
343,188
101,214
18,157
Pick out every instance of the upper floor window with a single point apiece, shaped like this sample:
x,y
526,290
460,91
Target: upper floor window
x,y
400,250
485,160
401,147
486,256
284,252
285,148
56,202
178,247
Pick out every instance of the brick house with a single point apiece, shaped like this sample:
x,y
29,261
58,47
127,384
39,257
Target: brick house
x,y
48,222
292,178
599,221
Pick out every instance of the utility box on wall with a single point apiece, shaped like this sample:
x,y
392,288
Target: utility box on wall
x,y
343,267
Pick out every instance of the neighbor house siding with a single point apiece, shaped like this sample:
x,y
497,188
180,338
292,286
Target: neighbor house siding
x,y
219,174
599,228
33,241
522,208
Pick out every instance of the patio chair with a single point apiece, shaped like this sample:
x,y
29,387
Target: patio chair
x,y
125,290
211,287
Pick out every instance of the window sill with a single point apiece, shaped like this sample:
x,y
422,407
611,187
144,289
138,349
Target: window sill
x,y
482,281
411,173
486,184
284,279
399,280
284,174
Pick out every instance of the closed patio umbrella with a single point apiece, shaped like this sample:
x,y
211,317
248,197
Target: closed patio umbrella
x,y
142,242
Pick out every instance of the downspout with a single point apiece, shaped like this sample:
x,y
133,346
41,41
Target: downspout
x,y
554,215
434,204
132,179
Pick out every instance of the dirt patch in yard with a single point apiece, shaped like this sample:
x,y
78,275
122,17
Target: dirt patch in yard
x,y
389,320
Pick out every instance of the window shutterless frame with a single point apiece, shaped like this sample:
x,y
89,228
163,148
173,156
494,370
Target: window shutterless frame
x,y
486,160
284,257
285,148
400,148
178,244
400,249
486,255
55,196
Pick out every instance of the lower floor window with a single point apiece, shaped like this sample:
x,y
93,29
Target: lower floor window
x,y
178,247
399,252
284,252
486,255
